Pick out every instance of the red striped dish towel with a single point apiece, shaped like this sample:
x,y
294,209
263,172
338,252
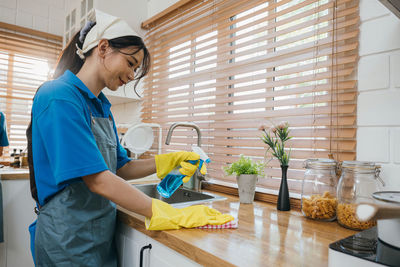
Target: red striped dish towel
x,y
229,225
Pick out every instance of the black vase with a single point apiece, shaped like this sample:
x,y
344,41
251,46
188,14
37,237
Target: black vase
x,y
283,197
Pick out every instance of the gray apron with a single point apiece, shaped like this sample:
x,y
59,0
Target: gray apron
x,y
76,227
1,215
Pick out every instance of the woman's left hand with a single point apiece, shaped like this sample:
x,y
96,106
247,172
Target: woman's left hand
x,y
167,162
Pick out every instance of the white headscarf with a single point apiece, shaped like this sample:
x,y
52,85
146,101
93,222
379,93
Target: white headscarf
x,y
107,27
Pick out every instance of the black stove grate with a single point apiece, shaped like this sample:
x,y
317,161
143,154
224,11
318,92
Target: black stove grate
x,y
366,245
359,245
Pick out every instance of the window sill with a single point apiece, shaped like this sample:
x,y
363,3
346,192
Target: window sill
x,y
262,194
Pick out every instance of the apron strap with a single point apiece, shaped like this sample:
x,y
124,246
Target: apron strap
x,y
30,162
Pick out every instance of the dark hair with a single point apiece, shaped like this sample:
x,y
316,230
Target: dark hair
x,y
69,60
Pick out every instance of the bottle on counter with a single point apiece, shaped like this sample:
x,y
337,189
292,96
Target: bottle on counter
x,y
19,161
318,194
16,163
24,158
13,155
358,182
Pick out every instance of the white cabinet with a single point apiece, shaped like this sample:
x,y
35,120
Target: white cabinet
x,y
18,215
78,12
124,94
131,242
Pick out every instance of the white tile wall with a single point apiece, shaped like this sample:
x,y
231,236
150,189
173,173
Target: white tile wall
x,y
56,3
56,26
379,108
395,69
156,6
9,3
41,23
395,143
373,72
390,175
8,15
372,9
35,7
42,15
380,34
373,143
24,19
56,13
378,136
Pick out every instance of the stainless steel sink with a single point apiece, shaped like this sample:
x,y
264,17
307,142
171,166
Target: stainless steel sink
x,y
180,197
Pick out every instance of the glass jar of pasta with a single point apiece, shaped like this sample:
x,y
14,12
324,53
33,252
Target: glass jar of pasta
x,y
318,195
359,180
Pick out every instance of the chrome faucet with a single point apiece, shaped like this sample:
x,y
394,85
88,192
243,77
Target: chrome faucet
x,y
183,124
197,176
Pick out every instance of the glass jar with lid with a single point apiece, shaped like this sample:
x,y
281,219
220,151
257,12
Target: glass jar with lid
x,y
318,194
359,180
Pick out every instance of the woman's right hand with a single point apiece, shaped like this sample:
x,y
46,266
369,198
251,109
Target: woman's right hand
x,y
166,217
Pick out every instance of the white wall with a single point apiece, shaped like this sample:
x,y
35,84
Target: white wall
x,y
41,15
378,113
156,6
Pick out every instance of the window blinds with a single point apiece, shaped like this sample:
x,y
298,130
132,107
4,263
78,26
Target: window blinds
x,y
229,66
27,58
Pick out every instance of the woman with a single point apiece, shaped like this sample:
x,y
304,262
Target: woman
x,y
3,143
3,133
77,165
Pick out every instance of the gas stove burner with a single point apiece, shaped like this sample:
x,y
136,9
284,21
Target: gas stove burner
x,y
359,245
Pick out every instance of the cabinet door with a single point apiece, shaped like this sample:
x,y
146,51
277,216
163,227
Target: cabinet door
x,y
129,243
161,255
18,215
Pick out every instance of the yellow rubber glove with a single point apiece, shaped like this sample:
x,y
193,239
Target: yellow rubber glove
x,y
167,162
189,169
166,217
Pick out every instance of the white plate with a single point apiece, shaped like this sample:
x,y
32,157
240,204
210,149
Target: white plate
x,y
138,139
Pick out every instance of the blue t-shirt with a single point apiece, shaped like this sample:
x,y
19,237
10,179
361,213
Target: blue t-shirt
x,y
63,145
3,130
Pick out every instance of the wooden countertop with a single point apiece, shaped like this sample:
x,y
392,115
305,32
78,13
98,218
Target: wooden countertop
x,y
265,236
8,173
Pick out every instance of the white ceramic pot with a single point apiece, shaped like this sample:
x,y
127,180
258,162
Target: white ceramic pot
x,y
246,187
389,229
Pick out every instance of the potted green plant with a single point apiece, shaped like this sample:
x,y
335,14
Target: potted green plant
x,y
246,171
